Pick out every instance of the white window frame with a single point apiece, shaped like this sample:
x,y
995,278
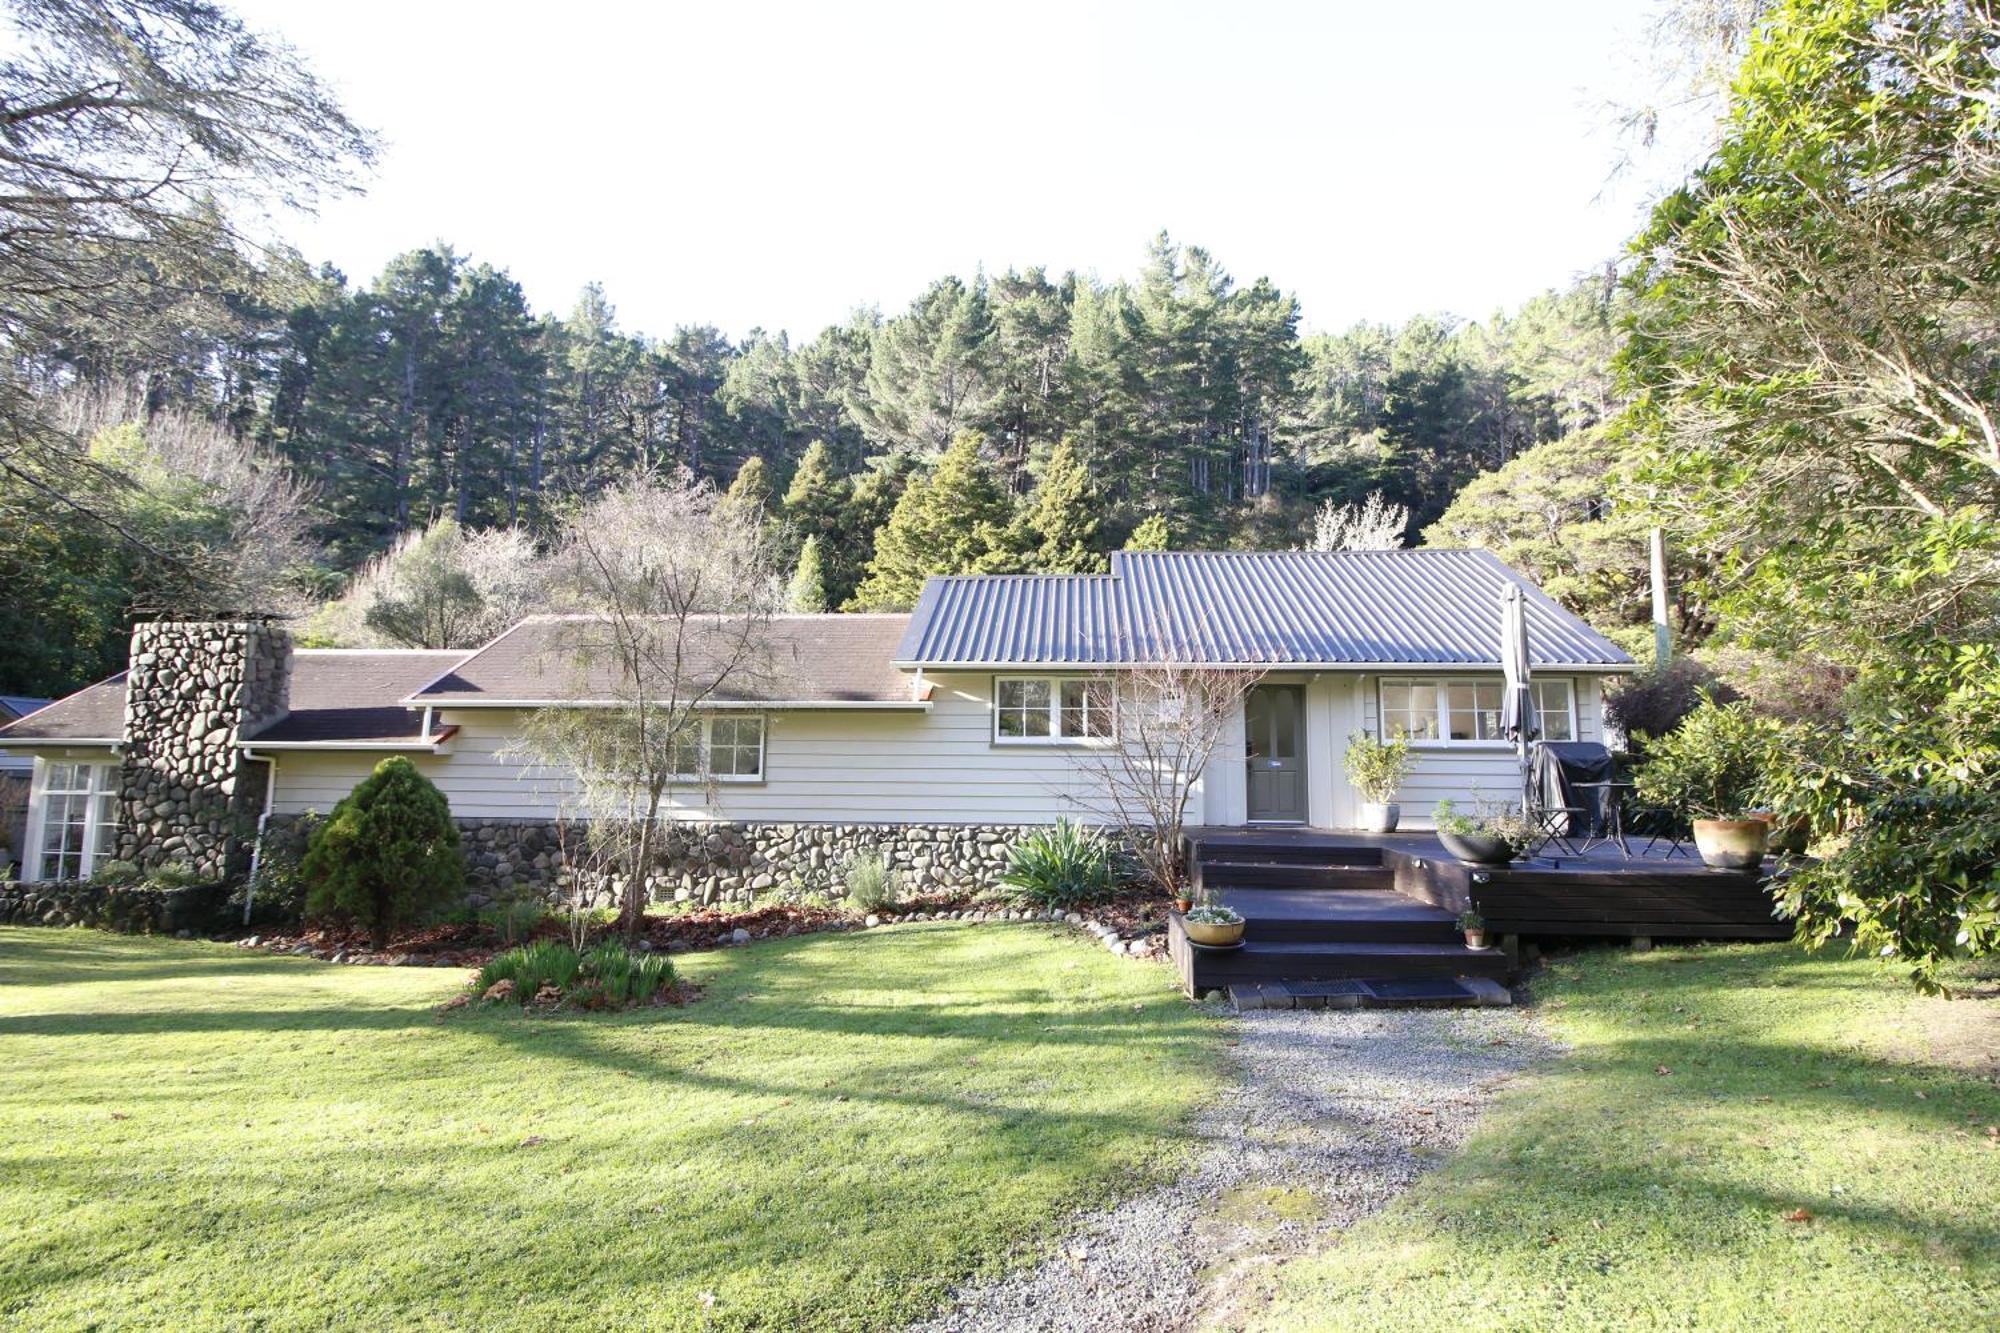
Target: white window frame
x,y
1055,735
103,782
1443,684
707,743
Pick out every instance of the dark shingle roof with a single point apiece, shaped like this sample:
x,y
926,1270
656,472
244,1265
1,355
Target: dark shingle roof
x,y
823,660
20,705
340,696
93,713
354,697
1267,608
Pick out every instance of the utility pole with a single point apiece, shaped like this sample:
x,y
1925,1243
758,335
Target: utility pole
x,y
1663,634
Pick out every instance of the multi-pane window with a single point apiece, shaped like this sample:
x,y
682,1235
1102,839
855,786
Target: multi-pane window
x,y
1052,709
1555,706
1467,710
1474,709
1410,708
734,747
79,819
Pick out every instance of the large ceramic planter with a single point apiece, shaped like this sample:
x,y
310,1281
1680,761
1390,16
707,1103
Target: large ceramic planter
x,y
1478,849
1380,816
1213,935
1731,844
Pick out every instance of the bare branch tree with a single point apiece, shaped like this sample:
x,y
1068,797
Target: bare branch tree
x,y
1372,525
1172,720
443,586
676,593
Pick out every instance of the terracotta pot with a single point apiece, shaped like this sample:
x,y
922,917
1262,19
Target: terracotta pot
x,y
1731,844
1477,849
1182,905
1206,932
1380,816
1475,939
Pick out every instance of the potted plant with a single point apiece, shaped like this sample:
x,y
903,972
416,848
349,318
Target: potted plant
x,y
1474,926
1488,839
1213,926
1712,768
1377,769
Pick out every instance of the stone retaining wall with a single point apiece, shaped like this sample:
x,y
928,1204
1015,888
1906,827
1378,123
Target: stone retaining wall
x,y
735,862
136,909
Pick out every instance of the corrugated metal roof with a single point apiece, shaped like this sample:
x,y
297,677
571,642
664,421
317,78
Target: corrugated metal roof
x,y
1274,608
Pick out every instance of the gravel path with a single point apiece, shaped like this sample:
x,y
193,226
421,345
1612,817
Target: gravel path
x,y
1334,1114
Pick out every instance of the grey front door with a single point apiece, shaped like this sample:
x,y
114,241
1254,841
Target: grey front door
x,y
1274,719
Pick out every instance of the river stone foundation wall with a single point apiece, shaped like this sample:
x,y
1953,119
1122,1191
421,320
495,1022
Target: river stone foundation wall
x,y
186,793
737,862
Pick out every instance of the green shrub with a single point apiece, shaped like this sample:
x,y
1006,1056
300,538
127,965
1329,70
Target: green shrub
x,y
606,975
1064,866
388,852
871,885
113,874
174,875
276,894
1378,768
1715,765
532,966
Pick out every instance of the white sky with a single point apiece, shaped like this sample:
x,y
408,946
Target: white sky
x,y
777,164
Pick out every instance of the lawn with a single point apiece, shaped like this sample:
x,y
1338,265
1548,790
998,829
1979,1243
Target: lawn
x,y
194,1136
1743,1137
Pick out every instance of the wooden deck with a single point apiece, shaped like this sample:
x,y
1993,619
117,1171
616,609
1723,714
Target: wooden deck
x,y
1325,905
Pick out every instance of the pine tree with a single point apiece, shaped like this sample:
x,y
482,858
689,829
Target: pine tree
x,y
943,525
1150,535
1063,516
807,591
750,493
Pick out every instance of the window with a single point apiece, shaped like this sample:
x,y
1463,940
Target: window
x,y
1052,709
1466,711
1555,705
78,819
1410,708
1474,709
734,746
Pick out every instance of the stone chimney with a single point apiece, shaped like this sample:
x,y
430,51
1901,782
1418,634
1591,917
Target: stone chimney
x,y
186,794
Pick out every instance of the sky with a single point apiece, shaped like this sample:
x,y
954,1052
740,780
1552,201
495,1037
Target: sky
x,y
780,165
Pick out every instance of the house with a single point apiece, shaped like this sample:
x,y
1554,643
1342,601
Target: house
x,y
935,735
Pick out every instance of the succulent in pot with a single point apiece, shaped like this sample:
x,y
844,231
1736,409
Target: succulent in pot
x,y
1491,838
1213,926
1377,769
1474,926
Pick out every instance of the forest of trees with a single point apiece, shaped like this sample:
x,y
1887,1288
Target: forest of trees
x,y
434,391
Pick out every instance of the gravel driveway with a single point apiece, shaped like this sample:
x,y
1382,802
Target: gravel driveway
x,y
1333,1115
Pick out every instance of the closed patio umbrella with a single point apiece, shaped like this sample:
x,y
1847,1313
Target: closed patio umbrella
x,y
1518,722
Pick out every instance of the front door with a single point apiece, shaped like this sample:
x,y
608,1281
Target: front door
x,y
1275,749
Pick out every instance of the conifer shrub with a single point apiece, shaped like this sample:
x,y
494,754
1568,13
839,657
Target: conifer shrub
x,y
387,855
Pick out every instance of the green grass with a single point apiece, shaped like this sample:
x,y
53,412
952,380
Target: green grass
x,y
1645,1180
192,1136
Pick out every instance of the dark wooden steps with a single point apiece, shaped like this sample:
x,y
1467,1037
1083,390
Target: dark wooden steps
x,y
1218,874
1360,915
1313,960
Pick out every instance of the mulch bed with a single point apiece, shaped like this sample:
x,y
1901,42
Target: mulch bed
x,y
470,944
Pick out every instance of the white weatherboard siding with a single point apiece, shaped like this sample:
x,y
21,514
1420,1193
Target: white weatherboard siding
x,y
941,766
820,766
